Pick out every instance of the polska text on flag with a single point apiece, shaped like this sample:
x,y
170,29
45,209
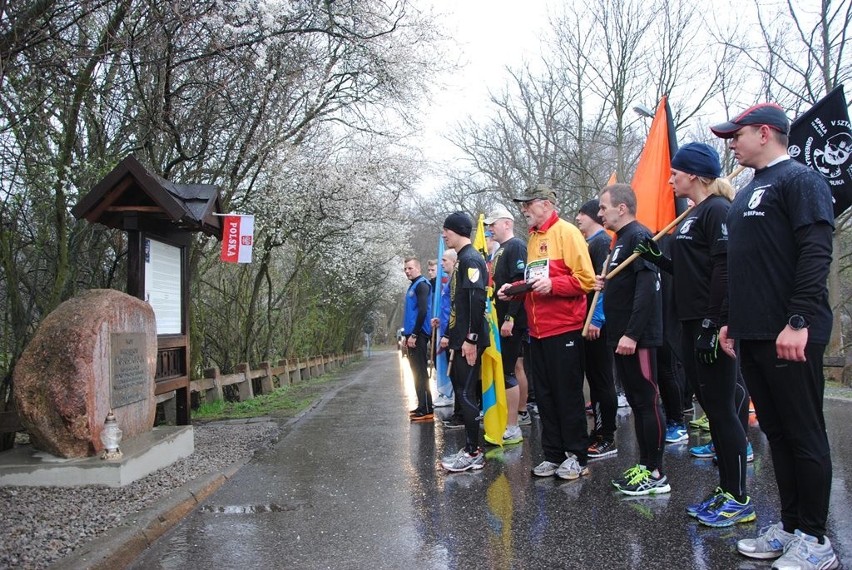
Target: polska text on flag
x,y
237,238
821,138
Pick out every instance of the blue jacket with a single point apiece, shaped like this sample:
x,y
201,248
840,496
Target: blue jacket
x,y
418,307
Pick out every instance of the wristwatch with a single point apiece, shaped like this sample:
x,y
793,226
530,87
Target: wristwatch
x,y
708,324
509,319
472,338
797,322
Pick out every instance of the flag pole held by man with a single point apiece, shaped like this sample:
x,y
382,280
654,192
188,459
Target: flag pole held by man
x,y
494,409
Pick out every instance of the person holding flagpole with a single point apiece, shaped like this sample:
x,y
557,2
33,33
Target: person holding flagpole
x,y
633,309
596,353
780,229
467,336
558,276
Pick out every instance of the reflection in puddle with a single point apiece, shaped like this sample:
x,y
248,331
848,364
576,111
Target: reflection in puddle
x,y
248,509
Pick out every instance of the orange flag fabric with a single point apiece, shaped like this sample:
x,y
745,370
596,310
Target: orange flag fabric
x,y
655,204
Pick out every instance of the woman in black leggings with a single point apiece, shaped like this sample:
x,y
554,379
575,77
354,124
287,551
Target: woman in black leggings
x,y
699,269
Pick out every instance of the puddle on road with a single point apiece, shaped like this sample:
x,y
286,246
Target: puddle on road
x,y
248,509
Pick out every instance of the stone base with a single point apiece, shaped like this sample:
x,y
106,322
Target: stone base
x,y
143,455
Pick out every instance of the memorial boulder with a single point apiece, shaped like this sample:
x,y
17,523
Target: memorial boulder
x,y
95,352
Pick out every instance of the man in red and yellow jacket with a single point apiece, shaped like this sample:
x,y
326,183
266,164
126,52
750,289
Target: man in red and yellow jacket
x,y
559,273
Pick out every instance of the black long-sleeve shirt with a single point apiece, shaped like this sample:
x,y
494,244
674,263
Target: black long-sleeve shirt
x,y
779,252
467,291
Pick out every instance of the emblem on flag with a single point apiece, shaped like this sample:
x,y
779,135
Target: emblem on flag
x,y
237,238
821,139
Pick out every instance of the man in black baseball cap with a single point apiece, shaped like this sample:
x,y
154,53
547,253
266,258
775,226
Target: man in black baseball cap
x,y
780,228
768,114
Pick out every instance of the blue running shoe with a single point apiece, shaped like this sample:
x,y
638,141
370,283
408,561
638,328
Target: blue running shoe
x,y
727,512
749,454
703,451
709,500
676,432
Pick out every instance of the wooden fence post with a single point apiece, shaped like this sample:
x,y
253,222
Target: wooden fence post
x,y
246,390
284,377
215,393
266,385
169,401
296,375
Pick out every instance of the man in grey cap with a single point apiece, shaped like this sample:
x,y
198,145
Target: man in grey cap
x,y
559,274
779,250
507,266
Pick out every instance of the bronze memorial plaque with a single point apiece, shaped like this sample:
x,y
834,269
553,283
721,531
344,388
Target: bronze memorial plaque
x,y
129,379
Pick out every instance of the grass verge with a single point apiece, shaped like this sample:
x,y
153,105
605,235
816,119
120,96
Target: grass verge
x,y
284,402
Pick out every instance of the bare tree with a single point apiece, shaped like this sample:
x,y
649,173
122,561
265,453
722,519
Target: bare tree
x,y
201,91
801,55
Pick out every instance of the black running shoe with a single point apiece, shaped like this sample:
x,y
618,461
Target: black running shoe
x,y
602,448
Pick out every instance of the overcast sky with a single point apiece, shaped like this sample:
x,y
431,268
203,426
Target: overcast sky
x,y
491,35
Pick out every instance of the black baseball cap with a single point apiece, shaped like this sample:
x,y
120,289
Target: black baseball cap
x,y
769,114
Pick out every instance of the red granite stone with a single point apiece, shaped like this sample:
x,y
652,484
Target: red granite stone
x,y
61,383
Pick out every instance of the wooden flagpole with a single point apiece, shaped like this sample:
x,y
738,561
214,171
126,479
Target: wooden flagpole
x,y
595,298
736,172
661,233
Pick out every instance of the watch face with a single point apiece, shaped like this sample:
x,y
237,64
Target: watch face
x,y
796,322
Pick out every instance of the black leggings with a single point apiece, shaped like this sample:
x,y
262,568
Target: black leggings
x,y
467,390
670,378
639,376
597,362
418,359
716,385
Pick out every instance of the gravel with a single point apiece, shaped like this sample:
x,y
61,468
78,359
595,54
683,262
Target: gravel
x,y
43,524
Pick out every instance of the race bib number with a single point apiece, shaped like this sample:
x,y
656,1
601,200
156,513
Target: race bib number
x,y
538,269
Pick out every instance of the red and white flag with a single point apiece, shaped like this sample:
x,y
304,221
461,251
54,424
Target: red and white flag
x,y
237,238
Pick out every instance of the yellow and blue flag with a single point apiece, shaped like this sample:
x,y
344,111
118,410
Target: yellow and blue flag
x,y
494,408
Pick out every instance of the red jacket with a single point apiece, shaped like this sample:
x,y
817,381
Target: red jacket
x,y
571,272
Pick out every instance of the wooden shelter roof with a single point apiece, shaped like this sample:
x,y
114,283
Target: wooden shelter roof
x,y
131,189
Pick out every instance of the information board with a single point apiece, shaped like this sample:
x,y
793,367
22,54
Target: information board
x,y
163,285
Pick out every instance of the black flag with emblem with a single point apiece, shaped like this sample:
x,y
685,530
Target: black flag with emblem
x,y
822,139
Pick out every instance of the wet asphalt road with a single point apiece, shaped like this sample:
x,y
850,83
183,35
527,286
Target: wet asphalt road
x,y
353,484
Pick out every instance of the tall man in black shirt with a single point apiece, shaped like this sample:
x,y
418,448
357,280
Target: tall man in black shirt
x,y
779,251
633,310
467,335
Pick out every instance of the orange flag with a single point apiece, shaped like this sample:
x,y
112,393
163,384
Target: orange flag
x,y
655,203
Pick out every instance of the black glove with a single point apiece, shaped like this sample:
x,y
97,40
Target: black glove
x,y
650,251
707,343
